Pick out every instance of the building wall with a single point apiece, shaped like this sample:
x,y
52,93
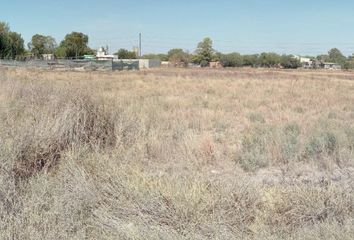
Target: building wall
x,y
149,63
125,64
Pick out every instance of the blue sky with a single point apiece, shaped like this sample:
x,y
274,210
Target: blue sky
x,y
249,26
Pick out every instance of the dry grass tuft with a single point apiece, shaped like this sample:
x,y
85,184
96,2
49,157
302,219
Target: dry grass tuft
x,y
53,121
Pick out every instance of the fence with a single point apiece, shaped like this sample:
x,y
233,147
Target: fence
x,y
89,65
60,64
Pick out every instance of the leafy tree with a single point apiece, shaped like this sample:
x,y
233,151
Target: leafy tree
x,y
17,44
11,43
349,64
41,44
174,51
251,60
269,59
323,58
231,60
4,27
75,45
290,62
5,45
125,54
178,57
336,56
59,52
204,52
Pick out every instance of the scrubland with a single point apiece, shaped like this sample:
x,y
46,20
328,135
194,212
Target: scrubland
x,y
176,154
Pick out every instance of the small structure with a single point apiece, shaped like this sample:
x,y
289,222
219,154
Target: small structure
x,y
149,63
48,57
331,66
103,56
89,57
216,64
311,63
306,63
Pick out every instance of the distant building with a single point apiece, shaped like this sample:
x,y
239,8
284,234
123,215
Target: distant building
x,y
306,62
48,57
331,66
310,63
102,55
149,63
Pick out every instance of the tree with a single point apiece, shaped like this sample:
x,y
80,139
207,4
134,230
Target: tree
x,y
75,44
269,60
336,56
290,62
17,44
125,54
41,44
178,57
4,27
11,43
231,60
174,51
204,52
251,60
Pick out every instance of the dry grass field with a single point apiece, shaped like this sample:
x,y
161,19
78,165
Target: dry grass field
x,y
176,154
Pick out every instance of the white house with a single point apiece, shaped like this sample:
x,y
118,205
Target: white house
x,y
102,55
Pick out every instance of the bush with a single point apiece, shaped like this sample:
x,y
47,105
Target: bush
x,y
54,123
254,152
290,62
290,144
324,143
231,60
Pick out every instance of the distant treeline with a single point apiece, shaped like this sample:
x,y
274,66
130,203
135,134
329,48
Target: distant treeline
x,y
205,54
75,45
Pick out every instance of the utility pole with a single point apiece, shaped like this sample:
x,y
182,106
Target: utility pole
x,y
139,44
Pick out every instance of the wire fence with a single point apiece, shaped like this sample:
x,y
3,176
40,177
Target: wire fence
x,y
64,64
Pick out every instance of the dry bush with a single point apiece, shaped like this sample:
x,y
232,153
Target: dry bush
x,y
52,121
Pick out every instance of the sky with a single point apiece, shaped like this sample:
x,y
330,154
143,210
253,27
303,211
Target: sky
x,y
305,27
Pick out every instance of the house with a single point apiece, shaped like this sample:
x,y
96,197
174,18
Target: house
x,y
307,63
331,66
102,55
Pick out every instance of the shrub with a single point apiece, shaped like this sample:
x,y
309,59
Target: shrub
x,y
254,154
289,143
55,122
324,143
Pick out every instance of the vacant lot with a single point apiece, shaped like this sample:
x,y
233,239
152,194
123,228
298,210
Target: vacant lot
x,y
176,154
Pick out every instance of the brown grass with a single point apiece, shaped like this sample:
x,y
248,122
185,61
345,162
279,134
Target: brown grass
x,y
176,154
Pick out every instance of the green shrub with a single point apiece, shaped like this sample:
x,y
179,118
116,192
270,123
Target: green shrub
x,y
290,144
254,154
324,143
